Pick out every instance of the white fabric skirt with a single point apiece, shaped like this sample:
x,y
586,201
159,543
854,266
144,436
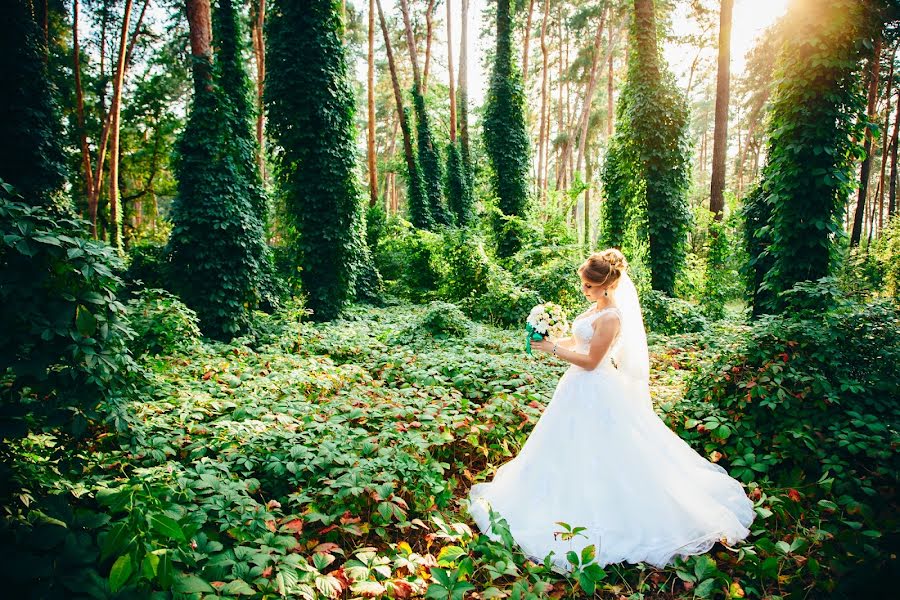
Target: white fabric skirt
x,y
600,458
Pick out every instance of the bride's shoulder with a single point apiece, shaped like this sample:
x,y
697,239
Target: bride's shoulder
x,y
611,315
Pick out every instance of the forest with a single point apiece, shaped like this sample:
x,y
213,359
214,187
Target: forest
x,y
266,264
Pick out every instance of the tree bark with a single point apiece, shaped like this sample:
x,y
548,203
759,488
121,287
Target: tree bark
x,y
544,124
885,142
589,94
411,42
82,133
720,131
463,87
398,95
373,174
450,71
527,40
115,216
892,192
610,105
861,198
429,33
259,50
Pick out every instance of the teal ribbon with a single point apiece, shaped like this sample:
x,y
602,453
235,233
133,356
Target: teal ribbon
x,y
532,335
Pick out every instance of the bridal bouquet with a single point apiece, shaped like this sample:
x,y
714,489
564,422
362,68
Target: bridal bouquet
x,y
545,320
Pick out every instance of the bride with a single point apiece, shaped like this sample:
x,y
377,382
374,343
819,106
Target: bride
x,y
600,458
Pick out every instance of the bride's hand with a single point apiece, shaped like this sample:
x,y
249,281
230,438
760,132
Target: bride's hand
x,y
543,345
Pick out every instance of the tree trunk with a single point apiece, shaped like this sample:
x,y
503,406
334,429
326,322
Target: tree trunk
x,y
892,192
82,133
463,89
874,66
589,94
589,169
259,50
115,214
411,42
544,124
429,33
527,40
373,174
720,132
885,143
450,71
610,106
200,26
559,166
398,95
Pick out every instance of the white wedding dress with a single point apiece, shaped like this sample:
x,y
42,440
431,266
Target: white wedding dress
x,y
600,458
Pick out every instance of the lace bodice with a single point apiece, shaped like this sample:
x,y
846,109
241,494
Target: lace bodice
x,y
583,331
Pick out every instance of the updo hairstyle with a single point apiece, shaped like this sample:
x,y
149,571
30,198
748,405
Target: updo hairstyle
x,y
604,268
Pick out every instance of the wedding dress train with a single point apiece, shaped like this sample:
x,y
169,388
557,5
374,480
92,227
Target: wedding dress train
x,y
600,458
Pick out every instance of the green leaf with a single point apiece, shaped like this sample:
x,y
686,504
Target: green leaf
x,y
120,572
450,554
704,567
705,589
191,584
85,322
165,573
167,526
116,540
237,587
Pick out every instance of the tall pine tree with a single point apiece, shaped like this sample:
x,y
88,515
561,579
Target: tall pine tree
x,y
311,108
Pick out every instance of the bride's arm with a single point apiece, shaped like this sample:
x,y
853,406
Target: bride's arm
x,y
567,343
605,327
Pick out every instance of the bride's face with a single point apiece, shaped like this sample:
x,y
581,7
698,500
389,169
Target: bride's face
x,y
591,291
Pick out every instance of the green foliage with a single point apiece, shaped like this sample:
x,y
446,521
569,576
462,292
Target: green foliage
x,y
756,239
311,108
430,163
162,323
407,259
808,400
459,192
815,124
147,266
31,155
237,106
63,347
646,173
666,315
718,277
417,199
443,320
555,280
506,137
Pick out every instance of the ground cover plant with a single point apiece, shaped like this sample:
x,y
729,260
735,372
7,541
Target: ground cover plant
x,y
331,461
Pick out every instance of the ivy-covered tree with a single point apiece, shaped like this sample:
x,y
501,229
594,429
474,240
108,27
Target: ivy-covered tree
x,y
216,246
31,156
235,84
430,162
459,192
815,117
506,136
646,174
311,108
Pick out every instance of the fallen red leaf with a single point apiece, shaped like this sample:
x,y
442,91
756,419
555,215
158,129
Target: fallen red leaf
x,y
794,495
294,525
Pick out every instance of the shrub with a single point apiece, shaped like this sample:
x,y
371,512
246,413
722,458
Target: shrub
x,y
809,393
405,260
556,281
63,347
667,315
162,323
147,266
